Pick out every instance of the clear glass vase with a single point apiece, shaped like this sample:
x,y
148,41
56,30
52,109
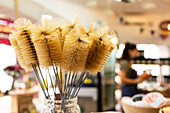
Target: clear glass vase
x,y
57,106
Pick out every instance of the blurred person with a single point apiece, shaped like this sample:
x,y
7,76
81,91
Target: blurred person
x,y
129,77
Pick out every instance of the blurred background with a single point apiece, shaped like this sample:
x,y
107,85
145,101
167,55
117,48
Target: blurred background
x,y
143,22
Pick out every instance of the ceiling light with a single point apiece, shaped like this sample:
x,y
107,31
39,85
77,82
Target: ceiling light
x,y
92,3
148,5
109,11
118,0
165,25
168,26
128,1
48,17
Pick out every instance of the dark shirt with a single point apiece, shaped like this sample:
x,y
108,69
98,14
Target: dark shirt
x,y
128,89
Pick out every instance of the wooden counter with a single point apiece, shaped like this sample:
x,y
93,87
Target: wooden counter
x,y
22,101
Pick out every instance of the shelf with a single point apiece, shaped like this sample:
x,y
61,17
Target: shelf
x,y
161,61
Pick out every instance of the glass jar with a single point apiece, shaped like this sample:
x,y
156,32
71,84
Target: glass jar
x,y
56,106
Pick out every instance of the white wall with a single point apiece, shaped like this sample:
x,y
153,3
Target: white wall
x,y
126,33
132,33
27,9
66,9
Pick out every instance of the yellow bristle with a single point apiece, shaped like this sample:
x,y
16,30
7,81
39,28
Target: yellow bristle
x,y
46,43
103,32
60,24
104,61
75,20
92,28
27,48
24,40
75,51
16,47
82,29
42,51
98,52
43,28
66,29
55,49
69,27
22,24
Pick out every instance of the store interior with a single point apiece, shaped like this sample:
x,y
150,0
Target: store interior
x,y
144,23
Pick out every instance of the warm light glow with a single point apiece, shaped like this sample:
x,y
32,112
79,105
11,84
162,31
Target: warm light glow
x,y
48,17
152,51
120,50
117,79
118,94
140,68
168,27
118,0
141,46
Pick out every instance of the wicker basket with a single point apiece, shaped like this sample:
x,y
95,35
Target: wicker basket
x,y
133,109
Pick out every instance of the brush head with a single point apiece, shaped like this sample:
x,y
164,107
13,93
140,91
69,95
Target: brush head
x,y
47,44
62,43
13,40
43,28
99,51
67,28
22,24
42,51
27,47
55,49
60,24
24,41
75,51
